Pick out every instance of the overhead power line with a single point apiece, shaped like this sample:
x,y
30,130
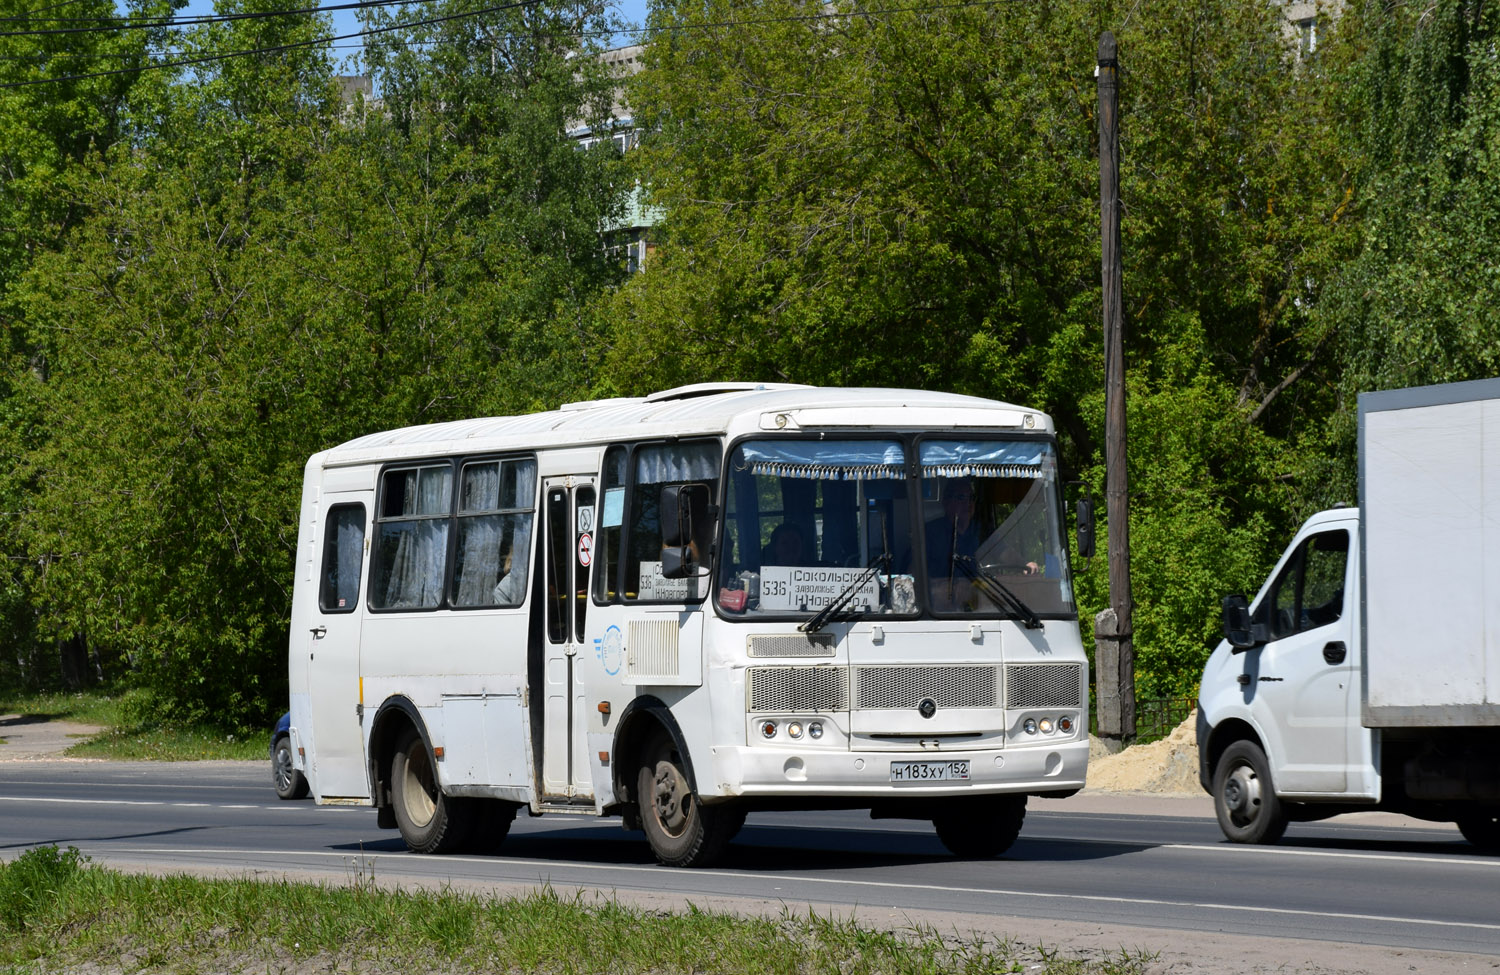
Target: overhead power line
x,y
642,35
273,49
109,24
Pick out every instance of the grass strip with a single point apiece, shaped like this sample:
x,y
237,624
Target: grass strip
x,y
131,733
59,913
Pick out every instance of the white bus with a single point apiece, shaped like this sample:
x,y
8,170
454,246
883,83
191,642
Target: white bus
x,y
682,608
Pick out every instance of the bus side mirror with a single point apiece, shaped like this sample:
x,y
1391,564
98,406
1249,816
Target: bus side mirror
x,y
1085,527
678,503
677,562
1240,631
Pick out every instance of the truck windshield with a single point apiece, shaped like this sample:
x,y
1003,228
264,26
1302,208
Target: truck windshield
x,y
990,509
804,519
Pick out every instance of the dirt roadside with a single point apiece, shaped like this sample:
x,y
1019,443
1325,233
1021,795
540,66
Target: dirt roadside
x,y
27,738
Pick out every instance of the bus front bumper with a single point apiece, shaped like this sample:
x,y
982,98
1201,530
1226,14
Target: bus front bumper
x,y
780,771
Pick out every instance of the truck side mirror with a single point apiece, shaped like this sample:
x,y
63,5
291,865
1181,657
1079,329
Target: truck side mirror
x,y
1238,630
1085,527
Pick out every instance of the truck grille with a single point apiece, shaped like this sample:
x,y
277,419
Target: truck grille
x,y
1043,686
798,689
905,687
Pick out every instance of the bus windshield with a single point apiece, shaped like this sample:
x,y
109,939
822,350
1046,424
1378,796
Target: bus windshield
x,y
992,536
805,521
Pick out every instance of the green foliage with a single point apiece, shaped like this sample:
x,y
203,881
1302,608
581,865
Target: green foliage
x,y
31,884
1421,303
910,198
275,278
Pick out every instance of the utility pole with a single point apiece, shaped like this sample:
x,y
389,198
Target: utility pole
x,y
1114,654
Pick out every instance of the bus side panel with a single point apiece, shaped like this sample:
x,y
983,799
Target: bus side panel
x,y
465,672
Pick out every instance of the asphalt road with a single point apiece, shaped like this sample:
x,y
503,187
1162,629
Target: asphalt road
x,y
1093,870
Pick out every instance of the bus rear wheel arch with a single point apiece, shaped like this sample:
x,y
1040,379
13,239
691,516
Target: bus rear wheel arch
x,y
429,820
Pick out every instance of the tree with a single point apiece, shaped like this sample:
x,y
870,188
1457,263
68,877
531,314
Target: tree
x,y
1421,302
909,198
276,277
63,103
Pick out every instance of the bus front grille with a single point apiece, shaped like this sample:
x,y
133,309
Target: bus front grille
x,y
1043,686
798,689
790,645
907,687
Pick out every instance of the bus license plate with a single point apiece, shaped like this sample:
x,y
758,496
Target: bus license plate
x,y
929,771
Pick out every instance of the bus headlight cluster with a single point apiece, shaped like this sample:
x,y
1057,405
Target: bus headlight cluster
x,y
1048,726
795,730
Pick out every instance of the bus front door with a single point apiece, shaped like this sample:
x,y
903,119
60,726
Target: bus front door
x,y
569,513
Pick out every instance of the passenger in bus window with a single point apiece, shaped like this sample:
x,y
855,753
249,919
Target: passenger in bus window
x,y
512,585
953,535
785,546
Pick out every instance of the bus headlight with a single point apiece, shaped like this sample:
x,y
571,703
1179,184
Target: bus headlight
x,y
815,730
1045,726
1029,726
768,729
794,729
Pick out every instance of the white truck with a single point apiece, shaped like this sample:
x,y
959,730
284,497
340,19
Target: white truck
x,y
1365,674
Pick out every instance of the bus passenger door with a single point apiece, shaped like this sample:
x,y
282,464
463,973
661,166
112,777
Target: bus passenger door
x,y
337,758
569,513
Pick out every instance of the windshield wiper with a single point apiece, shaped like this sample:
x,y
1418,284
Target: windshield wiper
x,y
835,607
996,591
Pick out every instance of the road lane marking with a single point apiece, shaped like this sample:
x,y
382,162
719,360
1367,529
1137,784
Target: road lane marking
x,y
1235,849
830,881
142,802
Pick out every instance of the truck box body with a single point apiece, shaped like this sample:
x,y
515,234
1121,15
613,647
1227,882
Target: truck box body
x,y
1430,505
1317,703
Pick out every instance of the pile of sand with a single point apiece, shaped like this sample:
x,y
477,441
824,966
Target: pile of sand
x,y
1168,766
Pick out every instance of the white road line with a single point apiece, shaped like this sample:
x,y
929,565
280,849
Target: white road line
x,y
843,882
139,802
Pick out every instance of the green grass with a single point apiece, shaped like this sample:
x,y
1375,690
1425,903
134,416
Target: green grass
x,y
57,913
97,707
128,736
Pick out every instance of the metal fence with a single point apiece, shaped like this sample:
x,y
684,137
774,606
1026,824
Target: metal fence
x,y
1155,718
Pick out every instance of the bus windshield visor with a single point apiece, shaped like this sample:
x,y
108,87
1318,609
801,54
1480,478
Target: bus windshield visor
x,y
992,538
805,520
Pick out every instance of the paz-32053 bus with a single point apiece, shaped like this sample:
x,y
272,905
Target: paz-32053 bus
x,y
682,608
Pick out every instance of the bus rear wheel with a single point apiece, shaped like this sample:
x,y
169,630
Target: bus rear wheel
x,y
430,822
982,827
682,831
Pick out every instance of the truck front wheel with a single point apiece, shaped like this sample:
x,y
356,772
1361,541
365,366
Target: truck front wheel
x,y
1244,798
1482,829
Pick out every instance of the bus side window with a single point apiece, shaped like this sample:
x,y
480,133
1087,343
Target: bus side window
x,y
343,552
610,526
494,533
411,538
657,466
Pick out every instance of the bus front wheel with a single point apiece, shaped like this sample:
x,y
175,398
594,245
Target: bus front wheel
x,y
681,830
430,822
981,828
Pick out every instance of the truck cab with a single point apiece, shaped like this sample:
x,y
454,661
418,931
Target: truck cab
x,y
1289,701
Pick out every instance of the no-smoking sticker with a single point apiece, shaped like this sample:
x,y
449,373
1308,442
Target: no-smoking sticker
x,y
585,549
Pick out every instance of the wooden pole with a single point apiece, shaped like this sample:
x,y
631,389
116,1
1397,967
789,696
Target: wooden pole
x,y
1114,651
